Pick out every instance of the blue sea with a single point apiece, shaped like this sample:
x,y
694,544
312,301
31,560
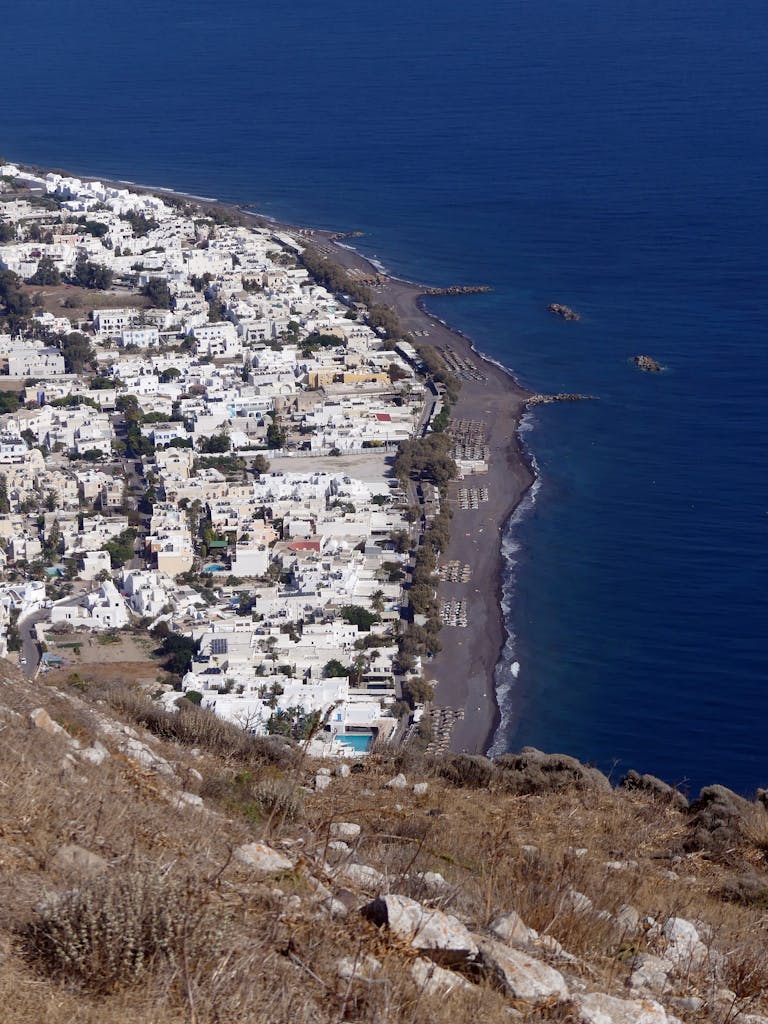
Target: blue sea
x,y
602,153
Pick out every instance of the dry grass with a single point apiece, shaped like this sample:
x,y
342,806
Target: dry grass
x,y
262,949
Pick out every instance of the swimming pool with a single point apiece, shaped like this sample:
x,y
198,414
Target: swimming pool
x,y
359,741
214,568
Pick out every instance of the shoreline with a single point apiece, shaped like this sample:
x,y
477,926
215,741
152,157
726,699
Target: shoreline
x,y
466,666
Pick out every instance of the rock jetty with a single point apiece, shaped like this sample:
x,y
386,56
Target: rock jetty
x,y
565,312
562,397
460,289
339,236
647,363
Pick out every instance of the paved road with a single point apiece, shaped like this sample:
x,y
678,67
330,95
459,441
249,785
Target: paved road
x,y
30,649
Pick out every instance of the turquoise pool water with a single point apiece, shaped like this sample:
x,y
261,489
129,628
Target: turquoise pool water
x,y
214,568
359,741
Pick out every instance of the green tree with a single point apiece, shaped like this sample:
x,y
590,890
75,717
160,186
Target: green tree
x,y
276,436
157,291
216,444
91,275
358,616
78,352
46,274
334,669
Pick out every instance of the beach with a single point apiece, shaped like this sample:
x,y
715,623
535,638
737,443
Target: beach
x,y
464,668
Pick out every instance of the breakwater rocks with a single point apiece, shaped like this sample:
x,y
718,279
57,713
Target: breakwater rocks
x,y
647,363
339,236
564,312
460,289
562,397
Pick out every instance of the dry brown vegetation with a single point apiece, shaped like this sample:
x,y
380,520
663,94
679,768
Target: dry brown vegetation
x,y
164,924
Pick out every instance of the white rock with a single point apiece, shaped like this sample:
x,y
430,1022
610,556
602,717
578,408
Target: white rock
x,y
442,937
363,876
576,901
651,974
347,830
684,947
399,782
519,974
620,865
550,945
96,754
511,928
262,858
596,1008
338,847
323,771
421,789
322,782
188,800
74,858
692,1004
343,770
432,880
363,968
436,980
627,919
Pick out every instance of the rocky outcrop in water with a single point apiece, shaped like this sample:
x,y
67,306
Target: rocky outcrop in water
x,y
562,397
460,289
647,363
565,312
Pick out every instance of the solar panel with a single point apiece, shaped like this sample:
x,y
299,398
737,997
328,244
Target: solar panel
x,y
218,646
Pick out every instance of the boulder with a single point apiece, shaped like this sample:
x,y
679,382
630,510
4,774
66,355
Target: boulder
x,y
518,974
626,919
442,937
651,974
363,876
398,782
647,363
683,944
74,859
346,830
262,858
576,902
43,721
436,980
96,754
362,968
421,789
596,1008
322,782
433,881
511,928
532,771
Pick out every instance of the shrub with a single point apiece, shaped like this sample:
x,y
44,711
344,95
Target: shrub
x,y
115,928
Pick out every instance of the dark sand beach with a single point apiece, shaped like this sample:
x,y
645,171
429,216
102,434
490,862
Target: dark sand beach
x,y
464,669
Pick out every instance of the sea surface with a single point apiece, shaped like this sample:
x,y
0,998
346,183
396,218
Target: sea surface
x,y
602,153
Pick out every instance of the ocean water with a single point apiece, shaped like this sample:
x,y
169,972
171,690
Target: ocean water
x,y
602,153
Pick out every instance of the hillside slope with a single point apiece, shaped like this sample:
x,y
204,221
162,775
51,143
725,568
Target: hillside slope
x,y
160,867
